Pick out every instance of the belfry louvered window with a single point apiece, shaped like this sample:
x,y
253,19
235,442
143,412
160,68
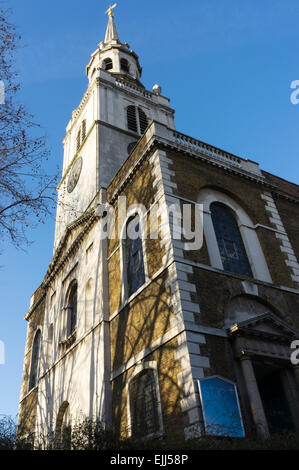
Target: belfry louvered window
x,y
81,134
136,119
131,118
143,404
230,243
142,120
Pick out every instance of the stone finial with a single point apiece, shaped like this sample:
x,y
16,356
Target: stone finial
x,y
157,89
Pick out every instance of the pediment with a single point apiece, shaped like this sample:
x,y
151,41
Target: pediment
x,y
266,325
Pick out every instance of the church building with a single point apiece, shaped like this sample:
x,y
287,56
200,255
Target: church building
x,y
138,324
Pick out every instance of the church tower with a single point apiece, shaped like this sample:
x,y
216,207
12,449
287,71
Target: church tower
x,y
179,321
114,112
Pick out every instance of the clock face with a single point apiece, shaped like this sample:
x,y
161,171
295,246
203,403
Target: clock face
x,y
74,174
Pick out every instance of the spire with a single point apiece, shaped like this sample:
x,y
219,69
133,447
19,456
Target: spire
x,y
111,31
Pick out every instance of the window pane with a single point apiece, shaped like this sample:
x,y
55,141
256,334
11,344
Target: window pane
x,y
35,360
230,243
72,310
134,261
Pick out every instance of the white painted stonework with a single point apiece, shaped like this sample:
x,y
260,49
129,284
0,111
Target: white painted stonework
x,y
286,247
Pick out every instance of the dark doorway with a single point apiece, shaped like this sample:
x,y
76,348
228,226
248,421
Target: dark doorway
x,y
275,403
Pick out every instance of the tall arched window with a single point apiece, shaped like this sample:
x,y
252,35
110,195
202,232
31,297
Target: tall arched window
x,y
35,360
230,243
134,263
144,404
72,309
108,64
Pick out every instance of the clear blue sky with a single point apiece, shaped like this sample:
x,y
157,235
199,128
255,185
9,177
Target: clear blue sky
x,y
226,65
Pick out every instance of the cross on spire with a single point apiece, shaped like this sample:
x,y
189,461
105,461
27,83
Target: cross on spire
x,y
110,10
111,31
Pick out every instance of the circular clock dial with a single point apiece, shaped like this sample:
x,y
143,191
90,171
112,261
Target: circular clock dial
x,y
74,174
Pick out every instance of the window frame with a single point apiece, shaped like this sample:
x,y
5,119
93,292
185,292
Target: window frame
x,y
255,255
124,280
37,366
69,309
238,243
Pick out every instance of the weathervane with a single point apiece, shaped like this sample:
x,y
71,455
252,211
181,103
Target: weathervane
x,y
109,11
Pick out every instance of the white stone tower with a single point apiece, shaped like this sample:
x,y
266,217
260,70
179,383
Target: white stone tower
x,y
113,113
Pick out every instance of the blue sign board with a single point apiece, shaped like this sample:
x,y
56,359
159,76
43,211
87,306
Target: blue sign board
x,y
220,405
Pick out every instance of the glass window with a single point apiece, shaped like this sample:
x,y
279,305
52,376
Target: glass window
x,y
230,243
134,256
35,360
220,406
143,404
72,310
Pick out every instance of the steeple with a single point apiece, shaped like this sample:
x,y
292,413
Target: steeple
x,y
114,56
111,31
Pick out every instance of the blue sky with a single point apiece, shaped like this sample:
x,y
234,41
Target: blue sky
x,y
226,65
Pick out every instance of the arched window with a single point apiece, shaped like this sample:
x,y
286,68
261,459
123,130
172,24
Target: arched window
x,y
63,427
134,263
136,119
35,360
124,65
144,404
108,64
230,243
72,310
